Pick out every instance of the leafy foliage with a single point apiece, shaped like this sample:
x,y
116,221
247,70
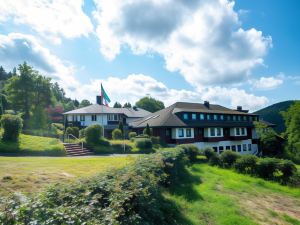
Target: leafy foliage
x,y
143,143
117,134
191,151
246,164
132,135
117,105
147,130
150,104
73,131
228,158
12,126
93,133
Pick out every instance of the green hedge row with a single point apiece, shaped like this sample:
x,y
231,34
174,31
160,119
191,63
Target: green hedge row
x,y
131,195
275,169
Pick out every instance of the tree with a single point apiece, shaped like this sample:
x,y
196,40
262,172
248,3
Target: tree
x,y
117,105
3,74
127,105
12,126
84,103
270,142
147,130
121,127
38,119
150,104
292,123
117,134
76,103
58,92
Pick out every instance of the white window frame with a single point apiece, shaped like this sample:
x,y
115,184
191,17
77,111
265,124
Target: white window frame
x,y
194,116
215,130
92,116
186,132
180,129
82,117
113,117
241,130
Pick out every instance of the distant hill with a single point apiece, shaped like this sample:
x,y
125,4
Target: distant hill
x,y
272,114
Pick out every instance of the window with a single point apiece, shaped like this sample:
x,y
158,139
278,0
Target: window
x,y
208,117
215,117
167,132
94,117
113,117
245,118
250,118
233,148
201,116
237,131
239,118
180,132
244,147
212,132
228,117
185,116
221,149
219,132
215,149
74,118
188,132
234,118
222,117
82,118
249,147
227,147
239,148
194,116
243,131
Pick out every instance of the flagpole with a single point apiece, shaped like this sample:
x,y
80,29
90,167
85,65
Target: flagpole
x,y
102,110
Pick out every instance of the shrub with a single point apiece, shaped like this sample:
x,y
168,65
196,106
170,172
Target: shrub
x,y
294,180
246,164
82,133
209,152
191,151
93,133
117,134
143,143
267,167
214,160
228,158
288,169
73,131
132,135
12,126
147,130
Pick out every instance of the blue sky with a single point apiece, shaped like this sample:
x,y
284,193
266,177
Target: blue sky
x,y
228,52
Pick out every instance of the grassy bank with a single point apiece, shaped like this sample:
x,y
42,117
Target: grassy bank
x,y
211,195
34,146
31,174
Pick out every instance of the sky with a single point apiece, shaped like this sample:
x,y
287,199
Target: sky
x,y
227,52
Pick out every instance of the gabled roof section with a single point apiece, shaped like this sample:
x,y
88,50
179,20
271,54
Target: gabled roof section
x,y
99,109
167,117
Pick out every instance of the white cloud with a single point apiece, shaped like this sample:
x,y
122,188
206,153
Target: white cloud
x,y
202,39
135,86
267,83
52,19
15,48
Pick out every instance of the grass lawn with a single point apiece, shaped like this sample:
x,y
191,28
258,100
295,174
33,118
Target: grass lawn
x,y
31,174
33,145
210,195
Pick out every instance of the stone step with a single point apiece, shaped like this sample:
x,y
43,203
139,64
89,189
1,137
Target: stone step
x,y
76,150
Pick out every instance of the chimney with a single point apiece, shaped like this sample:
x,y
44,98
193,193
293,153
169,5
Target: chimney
x,y
206,103
99,100
239,108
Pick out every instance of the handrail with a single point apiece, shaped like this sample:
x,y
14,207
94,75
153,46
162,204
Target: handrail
x,y
75,138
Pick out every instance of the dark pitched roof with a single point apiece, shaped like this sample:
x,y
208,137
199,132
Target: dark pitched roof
x,y
167,117
98,109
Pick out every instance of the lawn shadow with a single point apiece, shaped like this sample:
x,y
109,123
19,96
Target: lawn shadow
x,y
9,148
185,186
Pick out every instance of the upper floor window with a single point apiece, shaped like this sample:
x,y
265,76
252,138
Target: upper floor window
x,y
201,116
208,117
215,132
113,117
82,117
94,117
219,132
243,131
245,118
222,117
185,116
234,118
228,117
194,116
180,132
240,131
188,132
215,117
239,118
74,118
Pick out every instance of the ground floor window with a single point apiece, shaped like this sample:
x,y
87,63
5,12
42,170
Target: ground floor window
x,y
233,148
239,147
82,118
244,147
167,132
227,147
188,132
249,147
215,149
221,149
180,132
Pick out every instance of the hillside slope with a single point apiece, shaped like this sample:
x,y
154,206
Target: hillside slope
x,y
272,114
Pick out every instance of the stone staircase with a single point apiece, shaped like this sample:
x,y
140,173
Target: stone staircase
x,y
76,150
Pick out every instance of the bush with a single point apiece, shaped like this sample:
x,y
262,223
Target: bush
x,y
143,144
267,167
191,151
117,134
12,126
147,130
228,158
288,169
73,131
214,160
132,135
294,180
82,133
209,152
93,134
246,164
131,195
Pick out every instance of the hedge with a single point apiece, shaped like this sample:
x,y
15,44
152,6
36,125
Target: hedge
x,y
132,195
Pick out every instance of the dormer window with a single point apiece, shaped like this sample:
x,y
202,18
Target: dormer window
x,y
194,116
185,116
201,116
222,117
208,117
215,117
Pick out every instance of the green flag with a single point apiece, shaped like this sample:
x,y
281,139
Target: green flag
x,y
104,95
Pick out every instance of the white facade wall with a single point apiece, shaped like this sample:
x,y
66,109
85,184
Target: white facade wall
x,y
101,119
